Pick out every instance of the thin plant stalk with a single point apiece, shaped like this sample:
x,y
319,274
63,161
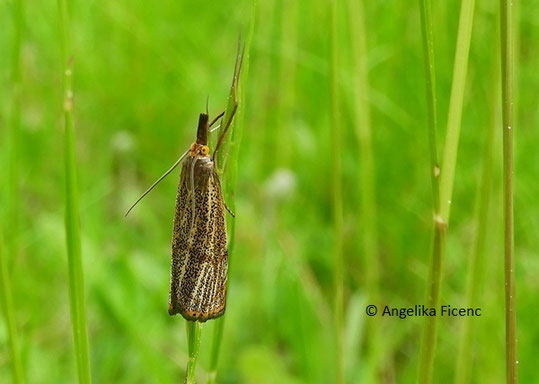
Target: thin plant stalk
x,y
10,252
194,330
286,80
476,269
12,202
337,203
447,171
231,148
72,216
266,140
428,340
507,53
6,301
217,341
367,188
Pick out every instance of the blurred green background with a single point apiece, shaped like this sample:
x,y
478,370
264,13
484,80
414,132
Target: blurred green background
x,y
142,72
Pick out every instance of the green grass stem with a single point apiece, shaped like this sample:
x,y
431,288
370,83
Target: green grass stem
x,y
428,340
476,263
72,216
336,183
231,148
367,188
442,207
217,341
14,128
287,78
507,59
194,331
6,301
9,250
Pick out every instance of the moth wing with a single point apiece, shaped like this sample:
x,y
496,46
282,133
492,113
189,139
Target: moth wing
x,y
199,246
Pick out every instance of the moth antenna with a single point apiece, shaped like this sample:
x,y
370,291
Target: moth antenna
x,y
207,105
157,182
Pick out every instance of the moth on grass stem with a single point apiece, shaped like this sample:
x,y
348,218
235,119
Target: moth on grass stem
x,y
198,278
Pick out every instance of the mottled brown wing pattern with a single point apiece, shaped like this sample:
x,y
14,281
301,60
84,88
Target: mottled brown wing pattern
x,y
199,247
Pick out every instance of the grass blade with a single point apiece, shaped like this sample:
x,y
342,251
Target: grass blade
x,y
337,193
507,116
428,48
72,217
455,107
231,148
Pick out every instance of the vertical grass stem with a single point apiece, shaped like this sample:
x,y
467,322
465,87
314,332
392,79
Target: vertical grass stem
x,y
506,28
428,340
442,204
337,193
194,330
6,301
14,127
231,148
72,217
9,253
476,265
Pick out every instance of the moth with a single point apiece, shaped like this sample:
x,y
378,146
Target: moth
x,y
199,265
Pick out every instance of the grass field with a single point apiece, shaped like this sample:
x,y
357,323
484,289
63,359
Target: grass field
x,y
141,74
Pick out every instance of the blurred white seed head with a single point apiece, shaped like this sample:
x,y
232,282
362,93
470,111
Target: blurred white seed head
x,y
280,184
122,141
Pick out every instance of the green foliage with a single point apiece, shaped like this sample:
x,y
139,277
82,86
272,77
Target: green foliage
x,y
142,75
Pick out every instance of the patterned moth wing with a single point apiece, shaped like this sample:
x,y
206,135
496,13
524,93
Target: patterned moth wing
x,y
199,244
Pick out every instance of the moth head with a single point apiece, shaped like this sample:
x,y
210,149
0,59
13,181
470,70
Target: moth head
x,y
199,149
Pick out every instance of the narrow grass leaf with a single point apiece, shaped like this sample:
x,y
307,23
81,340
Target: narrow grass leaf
x,y
72,216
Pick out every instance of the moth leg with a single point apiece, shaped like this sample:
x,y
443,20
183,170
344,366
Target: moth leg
x,y
229,210
216,118
215,128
